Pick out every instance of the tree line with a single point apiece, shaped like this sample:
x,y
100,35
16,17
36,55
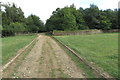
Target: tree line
x,y
14,21
67,18
70,18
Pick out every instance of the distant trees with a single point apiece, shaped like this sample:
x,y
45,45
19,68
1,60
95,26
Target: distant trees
x,y
91,16
118,18
34,24
69,18
14,21
62,19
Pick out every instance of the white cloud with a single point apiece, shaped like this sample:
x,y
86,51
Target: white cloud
x,y
109,4
44,8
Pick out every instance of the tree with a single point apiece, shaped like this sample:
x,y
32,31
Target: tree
x,y
34,24
91,17
14,21
105,22
119,18
80,19
12,17
17,27
113,17
14,14
68,18
62,19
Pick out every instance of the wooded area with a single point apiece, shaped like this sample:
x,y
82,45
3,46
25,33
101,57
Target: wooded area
x,y
70,18
14,21
67,18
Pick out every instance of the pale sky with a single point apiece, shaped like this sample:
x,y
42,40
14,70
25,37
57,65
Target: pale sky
x,y
44,8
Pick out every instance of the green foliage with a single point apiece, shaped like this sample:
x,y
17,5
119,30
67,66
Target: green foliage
x,y
14,21
13,28
17,27
7,31
119,18
14,14
105,24
68,18
91,17
62,19
34,24
113,17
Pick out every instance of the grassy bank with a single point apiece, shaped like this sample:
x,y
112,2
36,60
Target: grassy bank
x,y
10,45
101,49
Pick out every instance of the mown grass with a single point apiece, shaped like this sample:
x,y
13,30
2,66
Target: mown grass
x,y
10,45
20,60
101,49
88,73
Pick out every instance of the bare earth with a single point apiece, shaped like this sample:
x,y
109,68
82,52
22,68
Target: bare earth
x,y
46,60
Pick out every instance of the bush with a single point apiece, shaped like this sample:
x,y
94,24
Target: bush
x,y
13,28
17,27
82,27
6,31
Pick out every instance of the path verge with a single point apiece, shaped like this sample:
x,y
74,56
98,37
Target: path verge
x,y
96,70
18,54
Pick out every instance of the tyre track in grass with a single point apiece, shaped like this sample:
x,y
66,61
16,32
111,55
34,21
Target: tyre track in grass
x,y
66,64
46,60
97,71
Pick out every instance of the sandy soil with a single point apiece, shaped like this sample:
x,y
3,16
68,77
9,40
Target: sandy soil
x,y
46,60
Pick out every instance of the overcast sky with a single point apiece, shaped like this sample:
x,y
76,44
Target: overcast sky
x,y
44,8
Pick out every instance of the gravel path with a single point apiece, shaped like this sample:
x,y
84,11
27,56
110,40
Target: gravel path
x,y
46,60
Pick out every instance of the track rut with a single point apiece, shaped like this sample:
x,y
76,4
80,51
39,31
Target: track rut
x,y
45,60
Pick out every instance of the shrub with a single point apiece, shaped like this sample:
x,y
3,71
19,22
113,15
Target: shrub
x,y
13,28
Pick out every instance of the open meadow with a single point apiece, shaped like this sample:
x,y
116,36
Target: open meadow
x,y
100,49
59,40
10,45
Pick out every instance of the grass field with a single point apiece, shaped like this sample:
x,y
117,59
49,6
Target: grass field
x,y
101,49
10,45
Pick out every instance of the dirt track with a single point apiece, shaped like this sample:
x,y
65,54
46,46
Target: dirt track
x,y
46,60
